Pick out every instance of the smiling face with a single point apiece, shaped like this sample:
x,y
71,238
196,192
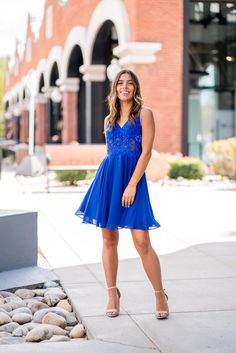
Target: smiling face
x,y
125,87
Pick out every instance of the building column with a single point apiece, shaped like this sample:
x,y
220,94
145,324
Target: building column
x,y
24,124
91,74
16,122
69,88
40,120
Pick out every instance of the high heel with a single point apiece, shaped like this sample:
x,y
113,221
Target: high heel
x,y
162,314
115,311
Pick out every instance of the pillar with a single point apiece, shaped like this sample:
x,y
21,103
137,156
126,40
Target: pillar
x,y
94,76
24,124
69,88
41,120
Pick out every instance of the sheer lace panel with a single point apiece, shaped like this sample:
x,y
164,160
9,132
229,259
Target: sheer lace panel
x,y
125,140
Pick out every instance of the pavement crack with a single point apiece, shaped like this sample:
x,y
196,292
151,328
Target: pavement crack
x,y
128,345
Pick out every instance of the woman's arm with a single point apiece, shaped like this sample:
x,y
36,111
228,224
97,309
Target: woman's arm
x,y
104,131
148,133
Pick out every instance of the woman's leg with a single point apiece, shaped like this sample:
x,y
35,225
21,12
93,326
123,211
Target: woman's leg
x,y
151,264
110,263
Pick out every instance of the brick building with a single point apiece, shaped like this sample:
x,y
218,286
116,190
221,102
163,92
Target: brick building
x,y
184,53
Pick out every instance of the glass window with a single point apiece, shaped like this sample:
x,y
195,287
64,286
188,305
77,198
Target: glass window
x,y
212,73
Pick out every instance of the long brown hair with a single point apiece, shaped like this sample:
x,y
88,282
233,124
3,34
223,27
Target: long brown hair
x,y
114,102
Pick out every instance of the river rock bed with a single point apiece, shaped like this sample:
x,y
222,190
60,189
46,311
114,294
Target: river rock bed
x,y
38,315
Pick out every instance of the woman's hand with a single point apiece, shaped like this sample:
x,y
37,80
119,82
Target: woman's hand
x,y
128,196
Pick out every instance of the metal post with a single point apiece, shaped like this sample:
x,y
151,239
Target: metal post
x,y
31,124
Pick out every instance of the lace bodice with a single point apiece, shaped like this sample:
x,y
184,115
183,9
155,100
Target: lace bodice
x,y
125,140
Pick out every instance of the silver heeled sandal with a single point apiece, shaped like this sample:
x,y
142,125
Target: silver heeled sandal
x,y
162,314
115,311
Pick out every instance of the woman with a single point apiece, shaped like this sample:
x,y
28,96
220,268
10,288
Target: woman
x,y
118,197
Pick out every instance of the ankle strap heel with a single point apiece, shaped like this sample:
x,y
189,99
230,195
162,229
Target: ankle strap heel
x,y
162,314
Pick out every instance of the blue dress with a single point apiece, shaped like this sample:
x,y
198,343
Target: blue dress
x,y
101,205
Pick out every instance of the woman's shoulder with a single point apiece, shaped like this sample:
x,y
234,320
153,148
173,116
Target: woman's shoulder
x,y
146,114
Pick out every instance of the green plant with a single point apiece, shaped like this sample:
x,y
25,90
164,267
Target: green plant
x,y
222,154
189,168
73,176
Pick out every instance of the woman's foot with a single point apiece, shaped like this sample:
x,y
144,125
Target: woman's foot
x,y
162,310
113,306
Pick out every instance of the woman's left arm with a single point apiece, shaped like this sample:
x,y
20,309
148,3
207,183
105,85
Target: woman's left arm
x,y
148,133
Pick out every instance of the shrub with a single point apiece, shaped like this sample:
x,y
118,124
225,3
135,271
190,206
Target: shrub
x,y
189,168
73,176
222,154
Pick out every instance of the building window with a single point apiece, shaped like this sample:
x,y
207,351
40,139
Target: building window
x,y
49,22
212,74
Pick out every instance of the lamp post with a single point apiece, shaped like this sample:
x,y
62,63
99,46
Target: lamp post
x,y
31,164
32,88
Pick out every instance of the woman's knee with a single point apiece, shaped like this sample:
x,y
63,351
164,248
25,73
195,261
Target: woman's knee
x,y
110,238
142,244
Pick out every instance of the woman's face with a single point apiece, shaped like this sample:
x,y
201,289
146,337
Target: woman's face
x,y
125,87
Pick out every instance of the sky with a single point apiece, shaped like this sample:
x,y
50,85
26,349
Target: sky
x,y
13,22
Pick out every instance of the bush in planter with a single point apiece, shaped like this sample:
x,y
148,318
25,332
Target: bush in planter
x,y
189,168
73,176
222,154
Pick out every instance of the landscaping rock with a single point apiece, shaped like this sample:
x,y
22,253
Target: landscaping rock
x,y
51,299
12,299
64,304
56,291
17,304
4,319
77,332
6,307
38,334
20,331
55,329
38,316
71,319
35,306
9,327
22,318
23,309
6,294
24,293
54,319
40,292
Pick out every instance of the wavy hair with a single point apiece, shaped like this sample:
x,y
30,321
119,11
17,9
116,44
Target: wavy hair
x,y
114,102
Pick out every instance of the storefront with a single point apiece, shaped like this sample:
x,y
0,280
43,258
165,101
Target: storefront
x,y
212,74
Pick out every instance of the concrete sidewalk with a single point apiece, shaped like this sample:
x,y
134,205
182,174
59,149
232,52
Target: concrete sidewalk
x,y
201,284
197,249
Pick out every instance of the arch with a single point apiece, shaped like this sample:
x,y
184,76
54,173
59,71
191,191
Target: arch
x,y
40,72
55,55
41,83
77,36
54,74
107,10
76,58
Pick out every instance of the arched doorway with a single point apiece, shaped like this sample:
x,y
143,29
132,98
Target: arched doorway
x,y
41,83
102,54
75,62
54,116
